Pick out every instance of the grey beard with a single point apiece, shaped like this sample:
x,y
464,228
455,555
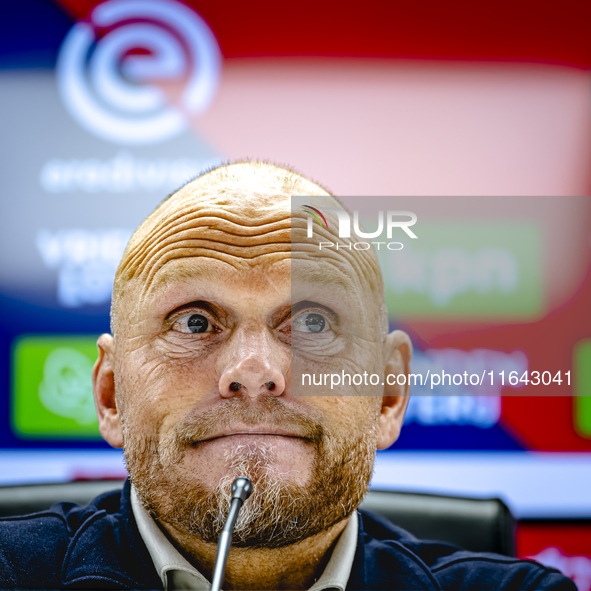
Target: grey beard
x,y
278,512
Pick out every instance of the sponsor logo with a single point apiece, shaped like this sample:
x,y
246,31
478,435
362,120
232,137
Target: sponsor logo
x,y
125,173
66,390
467,269
85,261
463,404
108,65
479,411
52,392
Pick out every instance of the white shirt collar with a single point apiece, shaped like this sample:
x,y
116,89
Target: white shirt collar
x,y
178,574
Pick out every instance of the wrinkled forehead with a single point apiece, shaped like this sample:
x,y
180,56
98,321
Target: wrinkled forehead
x,y
233,220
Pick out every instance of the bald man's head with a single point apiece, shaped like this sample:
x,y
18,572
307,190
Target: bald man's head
x,y
239,213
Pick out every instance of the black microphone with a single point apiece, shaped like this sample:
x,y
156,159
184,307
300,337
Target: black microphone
x,y
241,489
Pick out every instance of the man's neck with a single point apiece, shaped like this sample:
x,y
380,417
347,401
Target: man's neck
x,y
294,567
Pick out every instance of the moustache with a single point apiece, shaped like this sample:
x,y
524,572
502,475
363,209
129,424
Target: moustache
x,y
267,410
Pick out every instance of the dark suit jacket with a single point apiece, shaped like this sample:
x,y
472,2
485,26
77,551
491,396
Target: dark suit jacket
x,y
99,547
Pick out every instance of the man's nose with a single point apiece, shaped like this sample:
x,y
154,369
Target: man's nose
x,y
254,365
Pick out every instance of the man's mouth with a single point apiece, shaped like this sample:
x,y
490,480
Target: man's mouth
x,y
259,431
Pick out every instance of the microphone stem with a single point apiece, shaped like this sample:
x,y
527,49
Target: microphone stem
x,y
224,544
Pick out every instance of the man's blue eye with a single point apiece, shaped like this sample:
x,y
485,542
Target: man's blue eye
x,y
198,323
315,322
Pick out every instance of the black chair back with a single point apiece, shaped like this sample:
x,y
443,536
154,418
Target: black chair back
x,y
478,525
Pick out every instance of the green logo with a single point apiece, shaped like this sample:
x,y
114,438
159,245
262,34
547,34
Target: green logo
x,y
582,388
52,387
466,269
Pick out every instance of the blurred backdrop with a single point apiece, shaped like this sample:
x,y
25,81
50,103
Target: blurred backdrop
x,y
107,107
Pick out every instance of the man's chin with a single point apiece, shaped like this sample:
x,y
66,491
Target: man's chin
x,y
274,515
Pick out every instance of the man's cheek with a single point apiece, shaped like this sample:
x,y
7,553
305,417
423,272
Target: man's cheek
x,y
161,383
324,347
160,356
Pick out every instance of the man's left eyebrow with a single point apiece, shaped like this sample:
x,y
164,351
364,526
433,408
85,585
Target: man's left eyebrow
x,y
321,278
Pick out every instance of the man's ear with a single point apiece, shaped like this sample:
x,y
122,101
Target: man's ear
x,y
103,387
395,400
